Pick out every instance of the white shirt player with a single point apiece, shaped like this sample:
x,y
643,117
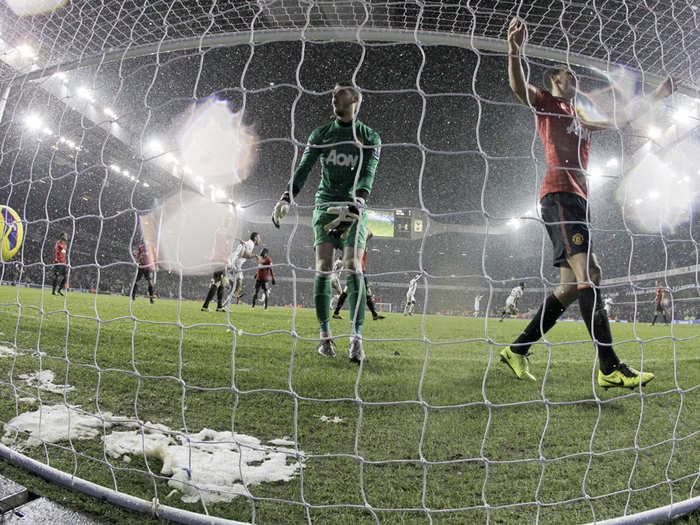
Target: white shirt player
x,y
335,277
608,302
236,261
477,302
512,300
412,285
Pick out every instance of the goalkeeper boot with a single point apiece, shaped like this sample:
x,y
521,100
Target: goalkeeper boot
x,y
518,364
327,348
623,376
377,317
355,352
337,316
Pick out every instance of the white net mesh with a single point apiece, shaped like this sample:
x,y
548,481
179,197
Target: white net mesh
x,y
235,415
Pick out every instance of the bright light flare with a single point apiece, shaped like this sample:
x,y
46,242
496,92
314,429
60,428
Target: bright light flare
x,y
33,122
612,163
683,115
651,196
194,246
26,51
33,7
110,113
85,94
653,132
215,145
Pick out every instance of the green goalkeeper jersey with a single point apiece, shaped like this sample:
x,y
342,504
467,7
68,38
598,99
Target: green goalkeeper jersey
x,y
344,157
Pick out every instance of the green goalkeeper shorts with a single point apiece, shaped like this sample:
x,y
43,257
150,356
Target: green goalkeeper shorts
x,y
321,218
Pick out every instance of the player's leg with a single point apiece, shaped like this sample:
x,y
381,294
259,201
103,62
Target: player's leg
x,y
356,300
258,282
612,372
340,303
220,287
149,280
55,280
369,301
322,296
64,278
135,288
266,292
211,293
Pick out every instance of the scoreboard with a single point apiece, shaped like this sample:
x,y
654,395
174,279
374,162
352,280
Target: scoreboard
x,y
408,223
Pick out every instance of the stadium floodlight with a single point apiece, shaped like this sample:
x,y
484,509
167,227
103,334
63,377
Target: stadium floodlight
x,y
125,173
638,201
155,146
170,158
653,132
513,223
682,115
47,131
115,168
595,172
146,185
612,163
26,51
653,195
84,93
33,122
61,76
109,112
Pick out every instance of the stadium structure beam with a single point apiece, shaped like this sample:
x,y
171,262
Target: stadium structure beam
x,y
339,34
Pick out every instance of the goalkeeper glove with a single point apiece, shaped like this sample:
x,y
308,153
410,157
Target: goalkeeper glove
x,y
281,209
273,282
347,216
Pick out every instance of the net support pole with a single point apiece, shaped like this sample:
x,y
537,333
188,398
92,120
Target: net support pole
x,y
112,496
667,512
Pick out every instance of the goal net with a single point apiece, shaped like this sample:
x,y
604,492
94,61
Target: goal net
x,y
158,136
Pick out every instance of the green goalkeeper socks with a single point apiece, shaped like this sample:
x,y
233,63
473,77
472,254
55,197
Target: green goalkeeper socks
x,y
356,290
322,301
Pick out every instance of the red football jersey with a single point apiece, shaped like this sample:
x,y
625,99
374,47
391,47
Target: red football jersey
x,y
265,272
659,295
143,257
59,252
567,143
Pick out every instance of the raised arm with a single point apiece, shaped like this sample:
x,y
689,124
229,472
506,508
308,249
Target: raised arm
x,y
516,76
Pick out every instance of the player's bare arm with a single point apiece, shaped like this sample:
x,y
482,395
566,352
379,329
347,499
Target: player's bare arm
x,y
516,75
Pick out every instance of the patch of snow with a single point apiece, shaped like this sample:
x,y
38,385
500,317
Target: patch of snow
x,y
43,380
327,419
56,423
209,465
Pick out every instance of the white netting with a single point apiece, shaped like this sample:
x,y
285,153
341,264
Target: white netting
x,y
235,415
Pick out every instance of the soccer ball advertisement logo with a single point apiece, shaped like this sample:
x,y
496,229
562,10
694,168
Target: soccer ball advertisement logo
x,y
12,232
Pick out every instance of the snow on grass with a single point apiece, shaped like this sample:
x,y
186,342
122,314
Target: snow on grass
x,y
56,423
43,380
208,465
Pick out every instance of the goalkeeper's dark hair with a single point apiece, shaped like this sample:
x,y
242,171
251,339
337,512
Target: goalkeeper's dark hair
x,y
264,252
253,236
522,284
348,84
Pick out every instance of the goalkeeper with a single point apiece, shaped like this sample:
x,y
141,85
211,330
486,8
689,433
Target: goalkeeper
x,y
349,153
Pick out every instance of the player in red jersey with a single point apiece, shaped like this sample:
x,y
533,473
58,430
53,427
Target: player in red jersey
x,y
60,267
263,277
145,270
565,213
659,304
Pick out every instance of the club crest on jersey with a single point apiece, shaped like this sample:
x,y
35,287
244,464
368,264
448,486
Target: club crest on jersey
x,y
577,239
341,159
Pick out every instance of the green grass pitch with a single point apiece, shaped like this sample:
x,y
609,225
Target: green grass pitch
x,y
433,425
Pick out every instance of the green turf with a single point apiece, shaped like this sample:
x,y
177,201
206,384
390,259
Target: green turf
x,y
433,425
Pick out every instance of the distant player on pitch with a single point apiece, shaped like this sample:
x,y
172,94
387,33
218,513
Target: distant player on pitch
x,y
336,287
240,253
349,155
145,270
411,296
477,304
511,307
60,266
218,257
263,277
565,213
658,303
